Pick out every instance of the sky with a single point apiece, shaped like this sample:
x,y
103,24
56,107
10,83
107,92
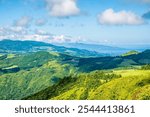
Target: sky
x,y
111,22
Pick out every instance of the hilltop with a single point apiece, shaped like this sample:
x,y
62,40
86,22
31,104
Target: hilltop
x,y
130,53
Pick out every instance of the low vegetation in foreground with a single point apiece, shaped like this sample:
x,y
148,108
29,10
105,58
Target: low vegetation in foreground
x,y
100,85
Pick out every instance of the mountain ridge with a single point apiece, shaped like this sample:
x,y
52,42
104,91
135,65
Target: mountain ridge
x,y
7,46
96,47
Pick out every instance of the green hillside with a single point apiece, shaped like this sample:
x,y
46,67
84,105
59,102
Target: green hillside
x,y
133,85
100,85
53,75
23,83
101,63
27,74
130,53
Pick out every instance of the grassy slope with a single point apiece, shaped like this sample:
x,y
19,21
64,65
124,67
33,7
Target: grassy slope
x,y
24,75
24,83
130,53
39,71
133,84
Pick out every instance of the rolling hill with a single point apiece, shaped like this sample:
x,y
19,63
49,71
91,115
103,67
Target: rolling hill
x,y
17,46
29,71
100,85
27,74
100,63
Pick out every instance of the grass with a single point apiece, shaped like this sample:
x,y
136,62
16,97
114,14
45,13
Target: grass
x,y
130,53
131,85
125,88
10,56
11,67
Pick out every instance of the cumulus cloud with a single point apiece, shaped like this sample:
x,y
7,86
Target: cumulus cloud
x,y
65,39
23,34
40,22
23,21
110,17
42,32
62,8
36,35
60,39
12,31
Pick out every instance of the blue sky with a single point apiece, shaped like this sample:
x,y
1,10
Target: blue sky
x,y
110,22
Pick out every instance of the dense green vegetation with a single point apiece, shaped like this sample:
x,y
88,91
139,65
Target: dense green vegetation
x,y
35,70
100,85
80,83
133,85
101,63
23,83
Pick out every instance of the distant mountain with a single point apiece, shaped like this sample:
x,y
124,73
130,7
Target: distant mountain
x,y
100,63
25,74
95,47
85,60
10,46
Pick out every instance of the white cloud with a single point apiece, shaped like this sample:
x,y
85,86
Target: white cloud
x,y
18,30
21,33
36,35
62,8
60,39
8,30
41,32
65,39
110,17
40,22
23,21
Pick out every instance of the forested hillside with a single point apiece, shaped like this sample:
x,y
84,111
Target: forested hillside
x,y
46,74
100,85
